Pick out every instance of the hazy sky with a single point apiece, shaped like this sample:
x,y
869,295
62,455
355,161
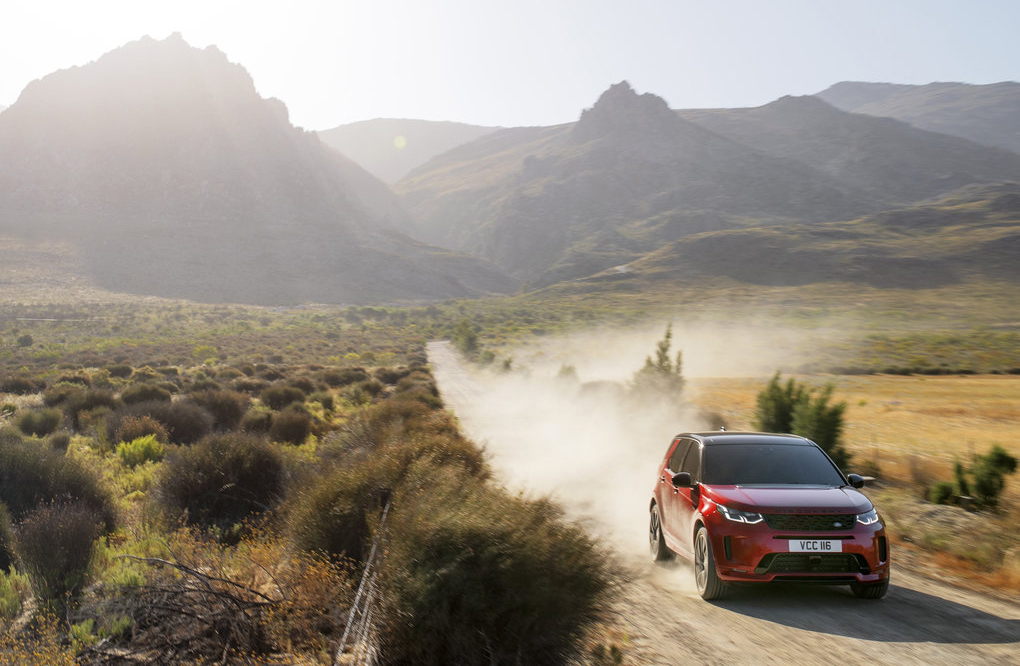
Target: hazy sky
x,y
530,62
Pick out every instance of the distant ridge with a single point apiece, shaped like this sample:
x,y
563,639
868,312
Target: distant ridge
x,y
557,203
162,165
987,114
390,148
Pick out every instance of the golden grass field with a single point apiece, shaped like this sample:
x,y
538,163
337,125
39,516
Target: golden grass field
x,y
906,425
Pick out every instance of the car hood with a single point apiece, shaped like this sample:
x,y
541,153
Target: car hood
x,y
790,499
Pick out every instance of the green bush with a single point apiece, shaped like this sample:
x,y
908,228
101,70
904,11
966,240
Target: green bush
x,y
989,472
41,422
54,544
140,450
226,407
137,393
475,575
279,396
221,480
32,474
291,426
794,408
941,493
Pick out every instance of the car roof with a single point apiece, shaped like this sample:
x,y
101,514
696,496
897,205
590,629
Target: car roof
x,y
763,438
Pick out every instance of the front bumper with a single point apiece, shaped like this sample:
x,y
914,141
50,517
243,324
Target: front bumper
x,y
758,553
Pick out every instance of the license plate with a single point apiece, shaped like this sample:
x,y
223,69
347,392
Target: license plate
x,y
816,546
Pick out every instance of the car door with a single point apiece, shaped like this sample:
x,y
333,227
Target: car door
x,y
669,495
686,499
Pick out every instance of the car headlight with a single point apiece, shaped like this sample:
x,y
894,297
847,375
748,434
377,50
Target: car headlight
x,y
739,516
869,518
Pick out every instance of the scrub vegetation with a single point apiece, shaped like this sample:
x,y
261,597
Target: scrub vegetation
x,y
195,484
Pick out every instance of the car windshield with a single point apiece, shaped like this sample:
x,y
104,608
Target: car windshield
x,y
768,465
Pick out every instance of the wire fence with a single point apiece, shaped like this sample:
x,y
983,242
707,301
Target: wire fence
x,y
358,644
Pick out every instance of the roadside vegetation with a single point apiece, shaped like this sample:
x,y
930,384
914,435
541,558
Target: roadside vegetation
x,y
219,499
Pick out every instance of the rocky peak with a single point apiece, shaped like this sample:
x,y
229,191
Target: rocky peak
x,y
620,111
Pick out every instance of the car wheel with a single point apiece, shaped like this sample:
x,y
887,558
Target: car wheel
x,y
871,590
656,542
705,577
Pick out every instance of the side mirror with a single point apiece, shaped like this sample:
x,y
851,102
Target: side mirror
x,y
856,480
682,480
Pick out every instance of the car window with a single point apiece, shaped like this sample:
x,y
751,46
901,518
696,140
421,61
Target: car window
x,y
676,458
692,462
772,464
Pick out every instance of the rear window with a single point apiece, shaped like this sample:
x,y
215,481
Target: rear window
x,y
768,465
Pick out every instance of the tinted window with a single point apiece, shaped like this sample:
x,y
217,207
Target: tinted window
x,y
676,458
757,464
692,463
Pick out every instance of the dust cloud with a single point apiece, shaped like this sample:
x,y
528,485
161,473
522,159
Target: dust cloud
x,y
580,439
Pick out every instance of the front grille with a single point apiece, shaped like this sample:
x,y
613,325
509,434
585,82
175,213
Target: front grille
x,y
823,563
810,522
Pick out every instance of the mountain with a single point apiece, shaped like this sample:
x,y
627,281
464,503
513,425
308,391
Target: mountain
x,y
171,176
390,148
556,203
888,160
986,114
973,233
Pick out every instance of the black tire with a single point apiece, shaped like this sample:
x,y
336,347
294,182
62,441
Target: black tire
x,y
705,578
656,542
870,590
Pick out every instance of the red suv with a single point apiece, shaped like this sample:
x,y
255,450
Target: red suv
x,y
753,507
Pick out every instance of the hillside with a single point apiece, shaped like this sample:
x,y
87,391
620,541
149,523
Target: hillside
x,y
555,203
971,234
890,161
169,174
986,114
560,202
389,148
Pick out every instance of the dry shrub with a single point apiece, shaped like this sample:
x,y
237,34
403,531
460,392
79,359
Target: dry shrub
x,y
133,427
202,603
32,474
221,481
475,575
343,376
54,545
121,370
185,422
40,422
227,407
279,396
6,539
145,393
292,426
21,385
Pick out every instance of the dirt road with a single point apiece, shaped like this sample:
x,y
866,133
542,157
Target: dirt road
x,y
545,437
